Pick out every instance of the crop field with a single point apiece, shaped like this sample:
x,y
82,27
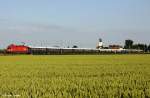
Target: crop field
x,y
75,76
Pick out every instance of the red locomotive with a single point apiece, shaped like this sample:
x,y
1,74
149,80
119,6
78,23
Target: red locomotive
x,y
17,49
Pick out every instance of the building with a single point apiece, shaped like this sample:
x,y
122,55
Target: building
x,y
100,44
115,47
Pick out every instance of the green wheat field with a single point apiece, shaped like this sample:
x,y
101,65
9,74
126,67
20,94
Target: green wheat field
x,y
75,76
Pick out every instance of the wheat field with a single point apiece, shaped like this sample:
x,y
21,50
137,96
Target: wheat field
x,y
75,76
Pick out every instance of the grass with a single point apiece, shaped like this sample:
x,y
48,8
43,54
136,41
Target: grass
x,y
75,76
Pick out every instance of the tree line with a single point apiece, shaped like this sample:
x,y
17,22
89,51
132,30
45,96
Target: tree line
x,y
129,44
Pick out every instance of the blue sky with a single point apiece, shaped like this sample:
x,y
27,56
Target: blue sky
x,y
69,22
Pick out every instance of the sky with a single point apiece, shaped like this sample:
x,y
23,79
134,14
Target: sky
x,y
73,22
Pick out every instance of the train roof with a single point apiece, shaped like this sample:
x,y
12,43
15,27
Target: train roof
x,y
63,48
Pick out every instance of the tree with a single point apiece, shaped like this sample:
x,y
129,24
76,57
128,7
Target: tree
x,y
128,44
135,46
75,46
140,46
145,48
148,48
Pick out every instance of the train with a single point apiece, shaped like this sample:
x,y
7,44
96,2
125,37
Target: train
x,y
23,49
